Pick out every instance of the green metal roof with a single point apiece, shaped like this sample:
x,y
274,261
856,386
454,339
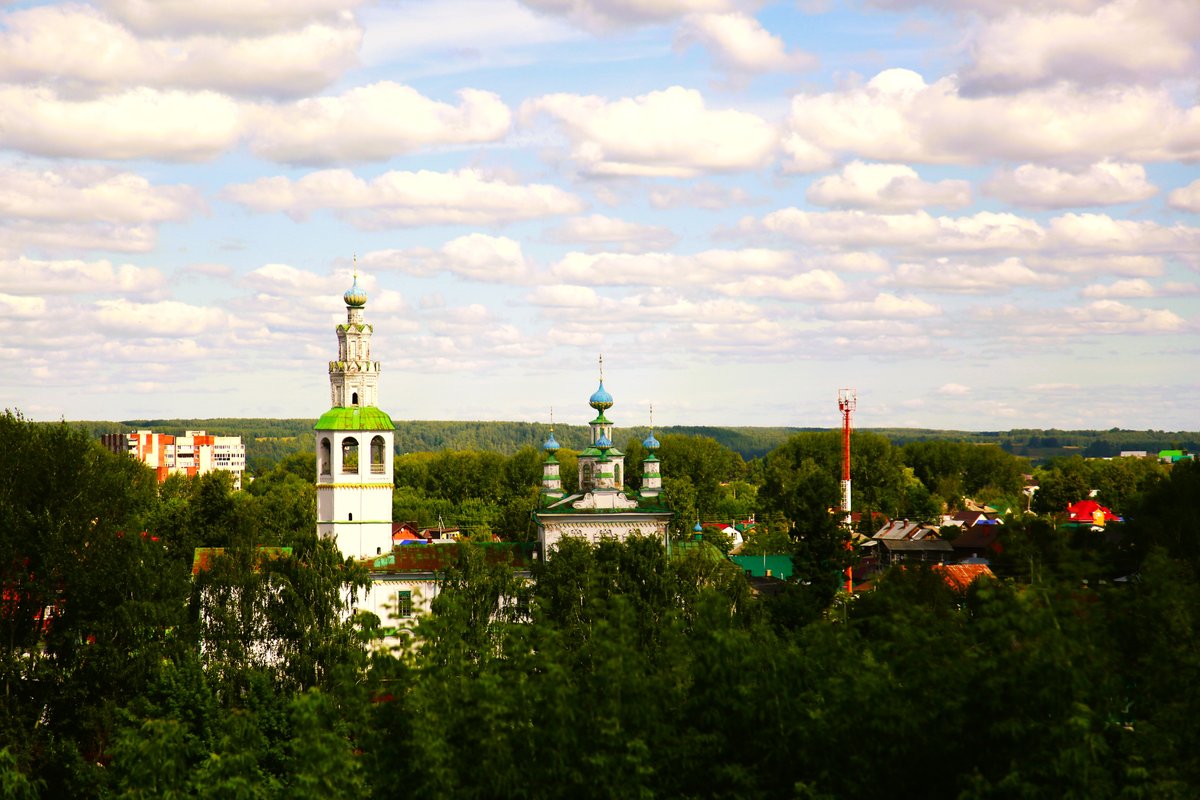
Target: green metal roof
x,y
355,418
595,452
779,565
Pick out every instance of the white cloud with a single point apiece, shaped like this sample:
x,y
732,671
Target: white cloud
x,y
374,123
230,16
284,280
1186,198
919,230
565,296
699,195
896,116
21,307
1135,287
817,285
476,256
167,318
18,236
598,229
1110,317
956,389
1102,264
988,7
91,193
886,187
668,269
952,277
77,46
138,123
608,14
884,306
668,133
1122,40
739,43
1102,233
1101,184
397,199
456,34
1068,235
36,277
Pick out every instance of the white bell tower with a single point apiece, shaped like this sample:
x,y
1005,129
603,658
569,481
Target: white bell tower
x,y
355,443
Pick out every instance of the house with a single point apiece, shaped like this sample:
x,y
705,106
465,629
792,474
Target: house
x,y
904,540
405,581
1089,512
959,577
977,542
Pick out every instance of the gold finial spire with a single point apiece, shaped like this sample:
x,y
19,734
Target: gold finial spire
x,y
652,419
355,257
602,367
551,420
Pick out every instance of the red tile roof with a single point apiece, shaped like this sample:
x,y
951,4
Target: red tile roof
x,y
960,576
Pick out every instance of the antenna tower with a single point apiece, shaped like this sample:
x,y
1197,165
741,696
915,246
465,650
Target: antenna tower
x,y
847,402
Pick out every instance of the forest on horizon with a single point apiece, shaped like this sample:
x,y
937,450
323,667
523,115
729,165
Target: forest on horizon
x,y
269,440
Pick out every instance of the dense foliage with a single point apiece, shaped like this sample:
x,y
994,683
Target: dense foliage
x,y
269,440
612,670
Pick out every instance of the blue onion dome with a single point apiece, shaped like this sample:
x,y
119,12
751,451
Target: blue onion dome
x,y
551,445
603,441
600,399
650,443
354,296
697,529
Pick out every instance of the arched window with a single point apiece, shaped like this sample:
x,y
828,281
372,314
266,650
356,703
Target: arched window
x,y
617,474
354,399
378,448
585,475
326,456
349,454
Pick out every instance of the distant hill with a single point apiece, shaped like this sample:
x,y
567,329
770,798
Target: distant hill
x,y
268,440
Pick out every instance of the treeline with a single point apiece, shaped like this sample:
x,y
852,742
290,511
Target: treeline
x,y
269,440
613,671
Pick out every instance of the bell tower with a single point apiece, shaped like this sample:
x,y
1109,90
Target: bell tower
x,y
355,443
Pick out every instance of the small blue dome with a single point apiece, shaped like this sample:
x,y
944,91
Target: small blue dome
x,y
551,444
650,443
600,399
603,441
698,529
354,296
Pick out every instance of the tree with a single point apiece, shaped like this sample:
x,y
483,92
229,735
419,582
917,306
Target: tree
x,y
1061,482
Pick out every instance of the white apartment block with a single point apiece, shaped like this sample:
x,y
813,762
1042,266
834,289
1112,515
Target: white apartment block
x,y
194,453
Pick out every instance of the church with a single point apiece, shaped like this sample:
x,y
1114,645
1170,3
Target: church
x,y
601,508
355,444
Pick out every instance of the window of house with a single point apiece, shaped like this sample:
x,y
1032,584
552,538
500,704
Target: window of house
x,y
404,604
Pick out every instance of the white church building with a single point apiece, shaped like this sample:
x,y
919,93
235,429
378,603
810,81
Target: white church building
x,y
355,441
355,444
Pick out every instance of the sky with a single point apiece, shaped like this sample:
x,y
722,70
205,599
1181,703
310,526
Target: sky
x,y
978,214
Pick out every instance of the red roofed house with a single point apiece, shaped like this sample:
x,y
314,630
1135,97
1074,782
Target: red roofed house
x,y
1091,512
959,577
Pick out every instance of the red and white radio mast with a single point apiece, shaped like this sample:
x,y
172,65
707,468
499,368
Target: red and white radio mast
x,y
847,402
